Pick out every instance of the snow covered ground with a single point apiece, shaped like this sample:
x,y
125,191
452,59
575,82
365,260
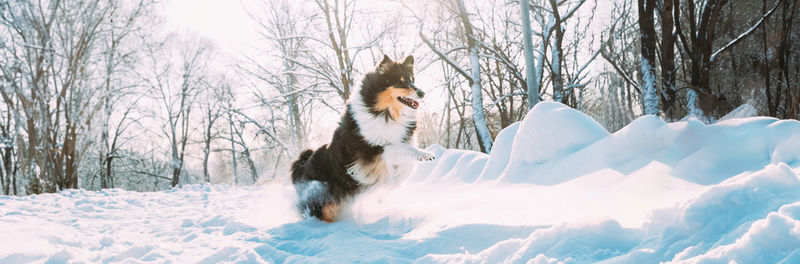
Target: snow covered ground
x,y
557,187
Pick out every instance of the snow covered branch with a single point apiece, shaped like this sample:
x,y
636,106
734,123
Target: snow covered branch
x,y
445,58
747,32
501,98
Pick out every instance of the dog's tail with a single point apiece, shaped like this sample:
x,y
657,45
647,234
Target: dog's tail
x,y
299,165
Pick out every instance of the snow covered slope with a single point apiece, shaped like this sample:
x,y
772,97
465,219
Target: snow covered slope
x,y
556,188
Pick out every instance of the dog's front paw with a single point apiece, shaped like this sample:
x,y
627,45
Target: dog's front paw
x,y
425,156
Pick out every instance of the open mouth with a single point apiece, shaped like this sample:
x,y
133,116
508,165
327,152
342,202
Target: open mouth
x,y
408,101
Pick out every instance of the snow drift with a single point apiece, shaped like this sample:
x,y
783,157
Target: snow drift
x,y
557,187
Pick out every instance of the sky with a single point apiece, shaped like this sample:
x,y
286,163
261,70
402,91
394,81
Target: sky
x,y
227,22
224,21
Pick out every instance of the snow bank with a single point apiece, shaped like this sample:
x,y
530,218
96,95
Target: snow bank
x,y
554,144
501,153
198,223
557,188
750,218
454,165
574,243
549,131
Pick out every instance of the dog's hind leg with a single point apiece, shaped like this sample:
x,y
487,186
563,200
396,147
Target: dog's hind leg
x,y
330,212
312,196
326,211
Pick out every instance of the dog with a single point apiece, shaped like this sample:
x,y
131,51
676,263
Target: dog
x,y
374,142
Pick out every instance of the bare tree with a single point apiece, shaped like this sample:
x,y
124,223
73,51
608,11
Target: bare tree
x,y
53,47
473,76
245,153
175,86
285,28
9,163
578,56
504,80
789,56
332,59
119,58
338,19
619,91
212,107
697,42
552,25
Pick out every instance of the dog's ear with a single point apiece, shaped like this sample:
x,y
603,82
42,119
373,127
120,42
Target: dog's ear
x,y
409,62
385,63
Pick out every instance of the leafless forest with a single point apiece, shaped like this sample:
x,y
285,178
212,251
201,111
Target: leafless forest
x,y
96,94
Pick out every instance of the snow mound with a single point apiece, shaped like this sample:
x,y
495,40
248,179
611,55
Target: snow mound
x,y
501,153
549,131
453,165
575,243
743,111
557,188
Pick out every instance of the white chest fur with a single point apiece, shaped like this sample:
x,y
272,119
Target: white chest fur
x,y
398,159
378,130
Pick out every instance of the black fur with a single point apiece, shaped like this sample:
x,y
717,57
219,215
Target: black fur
x,y
320,176
328,166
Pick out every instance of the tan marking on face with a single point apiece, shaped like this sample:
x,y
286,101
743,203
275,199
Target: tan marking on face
x,y
330,212
388,100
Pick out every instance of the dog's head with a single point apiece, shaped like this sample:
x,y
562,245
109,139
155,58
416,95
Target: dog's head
x,y
390,89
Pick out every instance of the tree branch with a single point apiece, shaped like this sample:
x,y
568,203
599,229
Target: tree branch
x,y
746,33
445,58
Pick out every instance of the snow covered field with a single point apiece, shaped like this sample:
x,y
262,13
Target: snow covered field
x,y
557,187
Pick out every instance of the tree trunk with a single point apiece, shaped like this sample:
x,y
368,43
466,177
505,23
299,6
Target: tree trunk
x,y
211,117
176,161
233,149
478,117
668,61
557,56
176,174
340,46
206,152
787,21
250,164
5,178
295,122
104,141
648,44
109,172
773,100
71,159
531,82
